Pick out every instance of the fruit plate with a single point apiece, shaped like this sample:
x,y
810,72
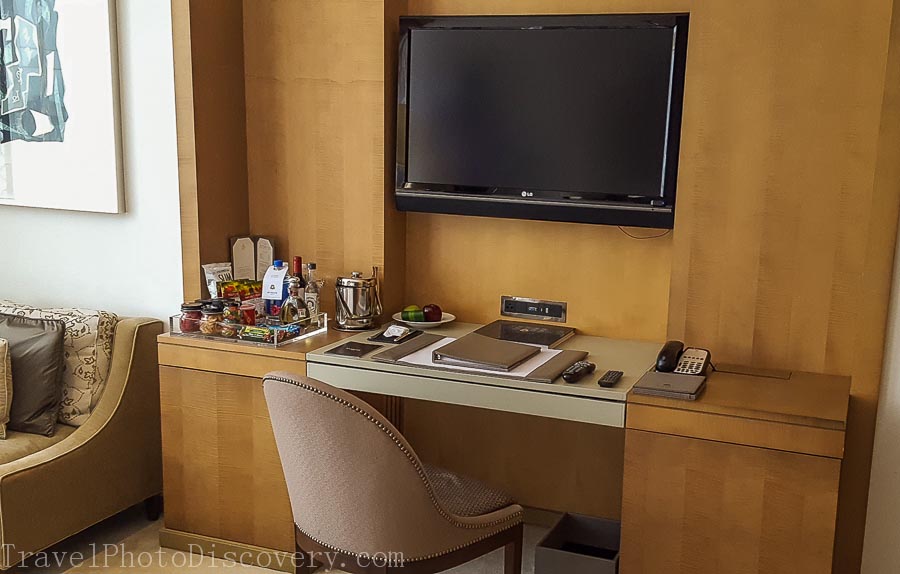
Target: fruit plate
x,y
445,318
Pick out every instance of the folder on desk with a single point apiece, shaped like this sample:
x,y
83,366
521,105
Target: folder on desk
x,y
394,354
547,373
479,352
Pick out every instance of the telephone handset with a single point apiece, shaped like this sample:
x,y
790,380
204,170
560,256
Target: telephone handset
x,y
674,358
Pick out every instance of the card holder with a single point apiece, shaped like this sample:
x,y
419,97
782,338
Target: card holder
x,y
353,349
380,338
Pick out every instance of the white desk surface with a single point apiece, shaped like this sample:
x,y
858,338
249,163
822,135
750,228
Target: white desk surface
x,y
584,401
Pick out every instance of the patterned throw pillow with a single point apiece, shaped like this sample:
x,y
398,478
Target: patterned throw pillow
x,y
5,386
88,349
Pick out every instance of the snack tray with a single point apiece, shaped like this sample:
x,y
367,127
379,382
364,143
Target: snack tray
x,y
257,336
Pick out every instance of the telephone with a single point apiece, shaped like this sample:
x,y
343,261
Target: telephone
x,y
674,358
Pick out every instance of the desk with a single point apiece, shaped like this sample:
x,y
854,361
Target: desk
x,y
744,479
223,485
584,401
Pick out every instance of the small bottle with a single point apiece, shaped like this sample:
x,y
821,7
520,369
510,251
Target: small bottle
x,y
294,308
312,292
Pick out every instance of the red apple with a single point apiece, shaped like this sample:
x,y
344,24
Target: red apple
x,y
433,313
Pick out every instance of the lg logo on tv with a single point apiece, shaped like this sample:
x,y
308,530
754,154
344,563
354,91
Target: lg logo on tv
x,y
527,194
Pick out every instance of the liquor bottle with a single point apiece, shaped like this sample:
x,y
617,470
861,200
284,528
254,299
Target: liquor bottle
x,y
298,271
294,308
312,292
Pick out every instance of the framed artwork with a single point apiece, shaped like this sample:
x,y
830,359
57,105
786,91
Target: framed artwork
x,y
60,142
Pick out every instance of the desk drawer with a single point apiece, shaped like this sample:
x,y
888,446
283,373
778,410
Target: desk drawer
x,y
231,362
737,430
551,405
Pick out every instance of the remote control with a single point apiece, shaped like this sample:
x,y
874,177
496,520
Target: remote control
x,y
610,378
578,371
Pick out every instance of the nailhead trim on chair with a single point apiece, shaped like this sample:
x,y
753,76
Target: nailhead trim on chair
x,y
417,558
413,460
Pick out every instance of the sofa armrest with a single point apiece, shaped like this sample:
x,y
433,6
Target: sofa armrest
x,y
111,462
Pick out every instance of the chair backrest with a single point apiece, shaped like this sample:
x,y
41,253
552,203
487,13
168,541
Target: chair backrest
x,y
354,482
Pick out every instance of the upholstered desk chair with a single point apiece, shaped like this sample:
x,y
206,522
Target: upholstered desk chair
x,y
362,500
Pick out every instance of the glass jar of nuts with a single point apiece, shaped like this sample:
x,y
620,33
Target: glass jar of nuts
x,y
212,317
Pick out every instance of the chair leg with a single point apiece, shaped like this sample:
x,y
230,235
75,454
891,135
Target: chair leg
x,y
512,554
304,562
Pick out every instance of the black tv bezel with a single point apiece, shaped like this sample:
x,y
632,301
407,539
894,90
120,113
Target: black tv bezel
x,y
548,205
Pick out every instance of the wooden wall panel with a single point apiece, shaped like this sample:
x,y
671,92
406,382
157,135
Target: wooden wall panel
x,y
187,160
787,206
212,144
316,127
220,128
615,286
395,230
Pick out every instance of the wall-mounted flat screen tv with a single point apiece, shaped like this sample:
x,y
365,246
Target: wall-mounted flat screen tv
x,y
564,118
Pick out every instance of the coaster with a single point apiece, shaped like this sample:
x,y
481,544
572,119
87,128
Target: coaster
x,y
380,338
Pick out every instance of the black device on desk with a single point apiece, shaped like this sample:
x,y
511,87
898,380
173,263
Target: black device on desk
x,y
674,358
578,371
609,379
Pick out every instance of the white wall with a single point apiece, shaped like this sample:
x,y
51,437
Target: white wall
x,y
131,263
881,551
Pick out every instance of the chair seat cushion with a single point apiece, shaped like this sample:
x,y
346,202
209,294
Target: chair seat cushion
x,y
20,444
465,496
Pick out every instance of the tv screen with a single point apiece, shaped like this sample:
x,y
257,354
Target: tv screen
x,y
573,110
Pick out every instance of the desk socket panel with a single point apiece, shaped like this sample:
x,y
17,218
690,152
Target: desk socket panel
x,y
533,309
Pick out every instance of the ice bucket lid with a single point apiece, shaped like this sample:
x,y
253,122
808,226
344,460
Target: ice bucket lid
x,y
356,280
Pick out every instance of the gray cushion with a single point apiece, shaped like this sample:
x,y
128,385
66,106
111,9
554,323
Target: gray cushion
x,y
36,349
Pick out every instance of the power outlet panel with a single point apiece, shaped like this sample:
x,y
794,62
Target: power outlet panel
x,y
525,308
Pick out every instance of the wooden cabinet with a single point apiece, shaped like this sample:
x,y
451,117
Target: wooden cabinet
x,y
222,475
223,485
743,480
697,506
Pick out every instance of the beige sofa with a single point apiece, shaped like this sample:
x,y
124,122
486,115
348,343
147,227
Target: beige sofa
x,y
54,487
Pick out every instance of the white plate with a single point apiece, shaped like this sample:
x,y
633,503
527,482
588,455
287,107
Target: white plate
x,y
445,318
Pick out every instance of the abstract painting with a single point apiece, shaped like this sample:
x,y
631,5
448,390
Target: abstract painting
x,y
59,133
